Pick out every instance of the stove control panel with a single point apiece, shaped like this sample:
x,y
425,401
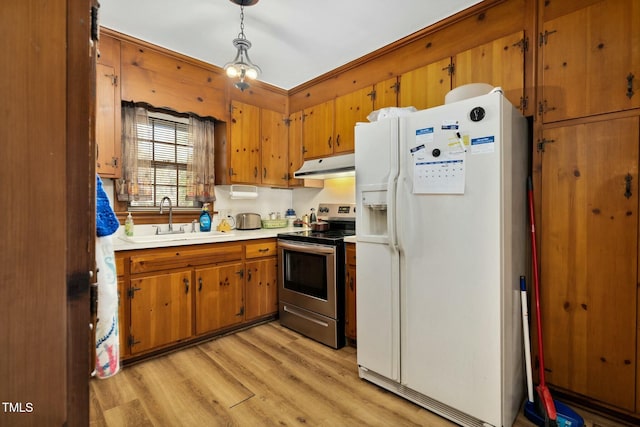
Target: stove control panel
x,y
333,211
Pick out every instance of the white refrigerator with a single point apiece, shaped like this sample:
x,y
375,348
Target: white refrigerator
x,y
441,237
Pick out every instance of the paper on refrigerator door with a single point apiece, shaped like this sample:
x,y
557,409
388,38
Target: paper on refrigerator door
x,y
436,170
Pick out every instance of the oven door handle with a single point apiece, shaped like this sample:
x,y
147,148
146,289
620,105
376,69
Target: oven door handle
x,y
308,248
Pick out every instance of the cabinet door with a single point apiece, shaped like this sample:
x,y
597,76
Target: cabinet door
x,y
591,61
350,109
262,287
295,147
426,86
108,119
245,143
274,148
386,93
160,310
498,63
588,252
317,130
219,297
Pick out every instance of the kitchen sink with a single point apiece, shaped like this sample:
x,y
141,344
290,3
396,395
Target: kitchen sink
x,y
150,238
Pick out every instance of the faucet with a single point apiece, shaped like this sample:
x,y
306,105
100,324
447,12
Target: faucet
x,y
170,211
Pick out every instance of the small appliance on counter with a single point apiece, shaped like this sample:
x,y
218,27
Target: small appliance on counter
x,y
248,221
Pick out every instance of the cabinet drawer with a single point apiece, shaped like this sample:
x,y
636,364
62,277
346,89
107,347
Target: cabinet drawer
x,y
180,258
351,254
258,250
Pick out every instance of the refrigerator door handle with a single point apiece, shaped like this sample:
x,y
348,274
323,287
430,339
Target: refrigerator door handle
x,y
391,209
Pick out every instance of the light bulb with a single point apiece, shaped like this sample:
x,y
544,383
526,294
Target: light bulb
x,y
252,73
232,71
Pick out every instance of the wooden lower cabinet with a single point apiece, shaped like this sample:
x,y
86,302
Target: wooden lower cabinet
x,y
261,282
160,310
350,293
261,288
589,253
219,301
170,296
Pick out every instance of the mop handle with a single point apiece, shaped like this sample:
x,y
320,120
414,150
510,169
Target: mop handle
x,y
534,254
525,331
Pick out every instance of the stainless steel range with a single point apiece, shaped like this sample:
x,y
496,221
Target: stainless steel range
x,y
311,276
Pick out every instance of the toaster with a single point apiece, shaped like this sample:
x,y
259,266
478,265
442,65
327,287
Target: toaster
x,y
248,221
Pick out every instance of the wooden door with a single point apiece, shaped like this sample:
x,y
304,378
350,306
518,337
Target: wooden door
x,y
261,287
590,60
425,87
296,157
219,297
47,149
245,143
386,93
498,63
160,310
351,108
275,138
588,252
317,130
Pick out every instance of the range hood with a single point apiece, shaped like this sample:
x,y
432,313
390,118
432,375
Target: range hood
x,y
327,167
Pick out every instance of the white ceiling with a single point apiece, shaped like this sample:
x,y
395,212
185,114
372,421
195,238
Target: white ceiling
x,y
293,41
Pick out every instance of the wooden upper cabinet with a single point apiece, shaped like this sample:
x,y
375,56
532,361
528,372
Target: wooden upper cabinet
x,y
349,109
498,63
108,120
296,157
425,87
590,60
589,252
245,143
317,130
275,137
386,93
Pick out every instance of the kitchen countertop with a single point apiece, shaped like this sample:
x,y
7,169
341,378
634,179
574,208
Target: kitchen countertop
x,y
350,239
144,233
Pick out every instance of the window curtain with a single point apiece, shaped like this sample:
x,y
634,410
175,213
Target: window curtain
x,y
135,170
200,169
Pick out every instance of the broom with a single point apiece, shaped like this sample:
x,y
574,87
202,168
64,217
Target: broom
x,y
551,413
545,401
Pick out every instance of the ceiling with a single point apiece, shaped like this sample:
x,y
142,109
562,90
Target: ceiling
x,y
293,41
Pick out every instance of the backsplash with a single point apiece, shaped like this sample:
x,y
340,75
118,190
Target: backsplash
x,y
336,190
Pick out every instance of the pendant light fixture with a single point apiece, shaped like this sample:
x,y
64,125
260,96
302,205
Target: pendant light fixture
x,y
241,66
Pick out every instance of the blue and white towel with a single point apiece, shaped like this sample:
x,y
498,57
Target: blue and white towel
x,y
107,334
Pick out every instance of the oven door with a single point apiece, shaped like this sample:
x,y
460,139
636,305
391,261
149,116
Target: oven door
x,y
307,276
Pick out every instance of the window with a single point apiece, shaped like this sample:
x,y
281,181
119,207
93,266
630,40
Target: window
x,y
165,155
165,152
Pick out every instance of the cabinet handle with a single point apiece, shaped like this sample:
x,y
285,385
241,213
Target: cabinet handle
x,y
255,172
263,250
630,92
186,285
248,275
329,142
627,186
338,140
240,273
199,284
264,175
351,283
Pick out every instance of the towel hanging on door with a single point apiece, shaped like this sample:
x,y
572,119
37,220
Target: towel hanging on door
x,y
107,334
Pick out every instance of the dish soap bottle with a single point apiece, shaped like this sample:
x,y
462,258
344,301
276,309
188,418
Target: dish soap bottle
x,y
128,225
205,218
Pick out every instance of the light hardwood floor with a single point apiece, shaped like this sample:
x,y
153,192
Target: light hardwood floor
x,y
263,376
